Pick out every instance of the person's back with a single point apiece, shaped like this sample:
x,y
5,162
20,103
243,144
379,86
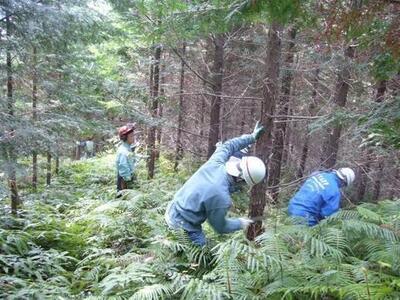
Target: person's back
x,y
206,195
89,148
204,191
317,198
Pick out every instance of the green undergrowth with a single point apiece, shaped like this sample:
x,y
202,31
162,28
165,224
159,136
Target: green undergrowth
x,y
75,240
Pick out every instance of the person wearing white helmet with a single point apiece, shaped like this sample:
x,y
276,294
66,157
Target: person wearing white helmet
x,y
319,196
206,195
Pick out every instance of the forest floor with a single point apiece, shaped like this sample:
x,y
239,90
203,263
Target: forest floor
x,y
75,240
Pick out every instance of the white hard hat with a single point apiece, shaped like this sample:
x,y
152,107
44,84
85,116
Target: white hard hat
x,y
252,170
347,175
232,166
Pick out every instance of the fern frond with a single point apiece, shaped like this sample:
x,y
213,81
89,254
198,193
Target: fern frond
x,y
152,292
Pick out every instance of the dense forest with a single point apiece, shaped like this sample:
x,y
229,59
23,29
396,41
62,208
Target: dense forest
x,y
321,77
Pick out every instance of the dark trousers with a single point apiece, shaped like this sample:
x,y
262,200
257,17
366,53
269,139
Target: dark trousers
x,y
123,184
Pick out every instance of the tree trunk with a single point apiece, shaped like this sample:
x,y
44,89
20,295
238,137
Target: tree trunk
x,y
280,128
12,158
369,156
48,168
311,110
34,116
78,152
394,192
202,116
217,77
57,164
158,130
378,181
160,113
179,147
331,144
151,151
263,145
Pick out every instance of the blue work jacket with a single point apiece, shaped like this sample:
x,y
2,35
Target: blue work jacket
x,y
206,195
318,198
125,161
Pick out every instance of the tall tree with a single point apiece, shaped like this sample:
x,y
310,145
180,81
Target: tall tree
x,y
331,143
151,138
369,153
11,155
263,145
48,168
34,114
216,100
311,112
179,147
280,128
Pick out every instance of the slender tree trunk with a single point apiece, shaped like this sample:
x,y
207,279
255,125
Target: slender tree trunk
x,y
151,151
331,145
369,156
311,110
242,123
263,145
217,77
159,131
34,170
57,164
378,181
394,192
179,148
78,152
287,145
34,116
48,168
12,158
160,112
280,129
364,173
202,116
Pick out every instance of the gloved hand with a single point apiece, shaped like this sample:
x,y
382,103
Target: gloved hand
x,y
258,130
244,222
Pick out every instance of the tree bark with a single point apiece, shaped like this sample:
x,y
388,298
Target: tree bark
x,y
311,111
151,150
369,156
394,192
179,147
12,158
331,145
57,164
378,182
34,116
48,168
217,77
160,112
202,116
280,129
263,145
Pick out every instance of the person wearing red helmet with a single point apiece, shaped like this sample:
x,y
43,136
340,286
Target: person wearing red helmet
x,y
126,160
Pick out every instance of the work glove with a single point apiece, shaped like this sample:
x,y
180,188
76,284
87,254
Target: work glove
x,y
258,130
244,222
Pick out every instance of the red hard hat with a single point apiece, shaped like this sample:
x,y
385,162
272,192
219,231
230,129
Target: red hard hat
x,y
126,129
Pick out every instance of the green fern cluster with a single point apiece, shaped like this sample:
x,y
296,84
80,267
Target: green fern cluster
x,y
83,243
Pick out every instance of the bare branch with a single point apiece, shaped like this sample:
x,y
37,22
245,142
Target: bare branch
x,y
190,68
